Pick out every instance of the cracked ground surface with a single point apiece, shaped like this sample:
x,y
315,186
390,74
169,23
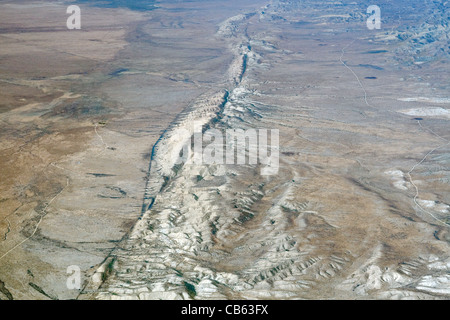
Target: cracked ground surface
x,y
359,208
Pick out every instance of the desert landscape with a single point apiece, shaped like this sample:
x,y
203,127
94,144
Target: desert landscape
x,y
95,121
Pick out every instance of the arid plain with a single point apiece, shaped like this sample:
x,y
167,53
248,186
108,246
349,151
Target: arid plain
x,y
360,205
